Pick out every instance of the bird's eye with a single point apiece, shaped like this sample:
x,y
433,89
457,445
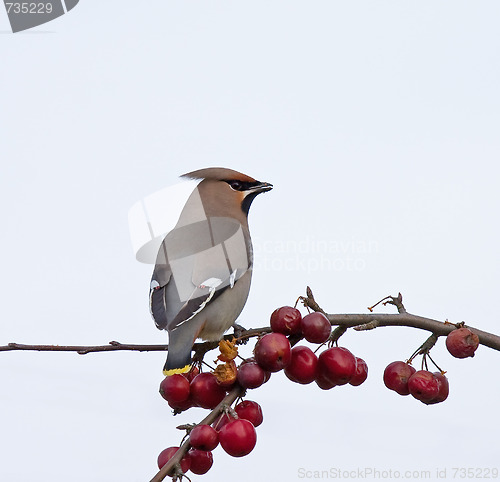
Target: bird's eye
x,y
236,185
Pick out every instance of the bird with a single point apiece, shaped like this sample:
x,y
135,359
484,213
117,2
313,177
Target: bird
x,y
201,279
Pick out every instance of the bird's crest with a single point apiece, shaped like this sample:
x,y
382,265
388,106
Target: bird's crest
x,y
218,174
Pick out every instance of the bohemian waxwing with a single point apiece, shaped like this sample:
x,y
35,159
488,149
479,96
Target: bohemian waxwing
x,y
203,269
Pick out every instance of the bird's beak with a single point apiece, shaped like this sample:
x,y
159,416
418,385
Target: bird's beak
x,y
261,187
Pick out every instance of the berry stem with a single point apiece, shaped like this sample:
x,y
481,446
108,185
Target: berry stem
x,y
425,347
336,334
206,364
424,362
435,364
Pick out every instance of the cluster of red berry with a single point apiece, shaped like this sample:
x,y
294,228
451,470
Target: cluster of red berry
x,y
423,385
234,429
237,436
334,366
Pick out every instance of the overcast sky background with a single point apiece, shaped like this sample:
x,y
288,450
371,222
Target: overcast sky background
x,y
377,123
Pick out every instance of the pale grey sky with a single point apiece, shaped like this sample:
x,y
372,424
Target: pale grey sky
x,y
377,123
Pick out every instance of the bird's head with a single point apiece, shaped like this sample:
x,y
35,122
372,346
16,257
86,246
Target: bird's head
x,y
226,192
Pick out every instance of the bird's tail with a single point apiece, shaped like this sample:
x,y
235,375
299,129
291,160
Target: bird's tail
x,y
167,371
179,355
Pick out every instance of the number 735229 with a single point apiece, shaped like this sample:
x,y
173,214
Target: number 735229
x,y
27,7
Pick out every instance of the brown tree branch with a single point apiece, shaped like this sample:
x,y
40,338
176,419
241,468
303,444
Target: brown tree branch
x,y
368,321
84,349
199,348
359,322
439,328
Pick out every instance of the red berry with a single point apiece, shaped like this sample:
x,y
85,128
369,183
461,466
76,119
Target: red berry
x,y
194,370
252,360
423,386
222,420
205,391
286,320
204,437
238,438
323,382
302,368
361,373
273,352
337,365
201,461
315,327
251,375
443,388
175,388
181,406
396,376
168,453
250,411
462,343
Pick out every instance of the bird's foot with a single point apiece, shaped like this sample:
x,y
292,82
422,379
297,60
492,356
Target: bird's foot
x,y
238,331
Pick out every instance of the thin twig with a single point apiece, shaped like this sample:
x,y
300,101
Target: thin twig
x,y
199,348
84,349
309,301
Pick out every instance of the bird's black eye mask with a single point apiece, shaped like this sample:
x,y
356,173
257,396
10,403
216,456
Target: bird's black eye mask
x,y
242,185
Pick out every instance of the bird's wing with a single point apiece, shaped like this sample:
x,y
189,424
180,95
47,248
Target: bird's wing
x,y
216,269
196,263
158,306
177,250
201,296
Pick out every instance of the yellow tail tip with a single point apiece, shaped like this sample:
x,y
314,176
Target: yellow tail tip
x,y
173,371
